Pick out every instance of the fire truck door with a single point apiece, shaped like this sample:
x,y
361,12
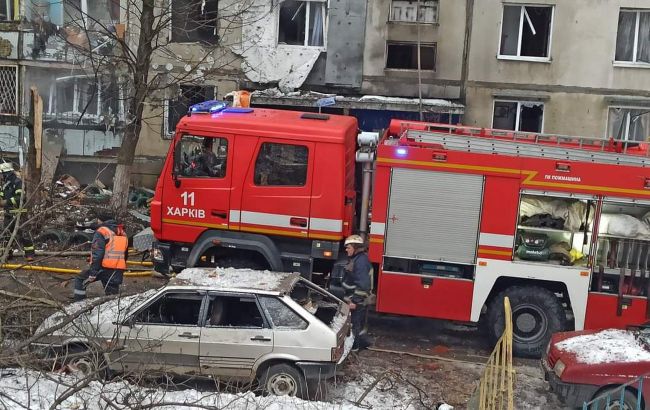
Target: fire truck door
x,y
200,196
277,191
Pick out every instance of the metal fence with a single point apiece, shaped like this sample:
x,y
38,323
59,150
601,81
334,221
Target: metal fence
x,y
627,396
8,89
496,386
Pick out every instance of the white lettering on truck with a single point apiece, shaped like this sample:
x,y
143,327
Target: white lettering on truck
x,y
567,178
185,212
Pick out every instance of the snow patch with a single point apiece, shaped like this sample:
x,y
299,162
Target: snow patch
x,y
605,347
231,278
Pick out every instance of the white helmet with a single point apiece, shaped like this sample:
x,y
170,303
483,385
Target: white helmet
x,y
6,167
352,239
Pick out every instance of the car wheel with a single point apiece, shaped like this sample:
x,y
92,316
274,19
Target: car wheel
x,y
85,362
536,314
630,401
283,380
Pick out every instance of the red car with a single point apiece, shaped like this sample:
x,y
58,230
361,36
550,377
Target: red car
x,y
581,366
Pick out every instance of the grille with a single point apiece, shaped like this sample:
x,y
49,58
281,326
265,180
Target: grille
x,y
8,76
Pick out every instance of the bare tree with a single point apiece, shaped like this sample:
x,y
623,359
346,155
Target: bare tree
x,y
141,57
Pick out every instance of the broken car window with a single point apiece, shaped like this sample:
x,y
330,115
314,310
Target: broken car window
x,y
203,157
405,56
633,24
526,31
302,23
316,301
172,309
281,315
281,165
233,311
518,116
194,21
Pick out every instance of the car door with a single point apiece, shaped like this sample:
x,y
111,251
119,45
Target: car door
x,y
164,335
234,336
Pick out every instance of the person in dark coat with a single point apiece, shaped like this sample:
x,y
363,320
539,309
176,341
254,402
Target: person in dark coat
x,y
107,261
357,284
13,203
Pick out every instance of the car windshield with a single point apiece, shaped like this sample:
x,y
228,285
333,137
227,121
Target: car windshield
x,y
316,301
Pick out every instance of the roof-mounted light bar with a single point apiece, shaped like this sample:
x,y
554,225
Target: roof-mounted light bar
x,y
207,107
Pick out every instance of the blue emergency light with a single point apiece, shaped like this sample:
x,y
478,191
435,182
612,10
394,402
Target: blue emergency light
x,y
207,107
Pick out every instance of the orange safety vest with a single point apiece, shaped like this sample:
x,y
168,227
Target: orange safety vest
x,y
116,246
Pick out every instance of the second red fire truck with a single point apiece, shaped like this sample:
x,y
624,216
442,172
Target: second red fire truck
x,y
460,216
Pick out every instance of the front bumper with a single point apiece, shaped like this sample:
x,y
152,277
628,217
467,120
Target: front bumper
x,y
316,371
572,394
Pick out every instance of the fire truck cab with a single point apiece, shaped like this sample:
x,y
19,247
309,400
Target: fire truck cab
x,y
255,188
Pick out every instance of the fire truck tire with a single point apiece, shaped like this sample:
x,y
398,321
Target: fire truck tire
x,y
536,314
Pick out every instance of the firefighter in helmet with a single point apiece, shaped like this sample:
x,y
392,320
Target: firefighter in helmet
x,y
357,284
12,191
107,260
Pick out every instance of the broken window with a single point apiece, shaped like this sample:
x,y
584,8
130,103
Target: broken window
x,y
302,23
281,165
281,315
632,124
7,10
633,37
75,95
405,56
526,31
74,12
202,157
176,109
518,116
234,311
194,21
8,90
406,10
172,309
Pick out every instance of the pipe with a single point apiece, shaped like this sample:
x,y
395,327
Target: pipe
x,y
66,270
365,200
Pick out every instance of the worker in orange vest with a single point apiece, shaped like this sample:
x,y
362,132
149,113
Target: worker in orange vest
x,y
107,259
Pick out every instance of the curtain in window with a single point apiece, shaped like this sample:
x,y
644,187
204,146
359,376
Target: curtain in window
x,y
616,123
643,51
316,24
625,36
639,125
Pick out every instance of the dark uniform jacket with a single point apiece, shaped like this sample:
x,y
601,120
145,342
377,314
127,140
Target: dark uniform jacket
x,y
357,278
12,189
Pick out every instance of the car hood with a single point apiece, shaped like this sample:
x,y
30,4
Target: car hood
x,y
99,319
600,356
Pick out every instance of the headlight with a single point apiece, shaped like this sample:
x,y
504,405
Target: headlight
x,y
559,368
157,254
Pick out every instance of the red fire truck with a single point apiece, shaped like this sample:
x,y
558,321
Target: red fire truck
x,y
460,216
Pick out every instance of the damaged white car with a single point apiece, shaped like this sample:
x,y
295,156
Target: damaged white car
x,y
275,329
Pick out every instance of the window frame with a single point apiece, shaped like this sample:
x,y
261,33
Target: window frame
x,y
627,121
179,145
168,134
53,107
9,4
305,43
518,116
412,43
436,22
519,57
132,319
205,310
634,63
15,80
170,28
291,143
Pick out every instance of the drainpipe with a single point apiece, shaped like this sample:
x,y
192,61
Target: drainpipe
x,y
366,154
417,23
469,17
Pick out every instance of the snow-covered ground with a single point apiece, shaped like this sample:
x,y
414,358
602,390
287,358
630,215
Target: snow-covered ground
x,y
28,389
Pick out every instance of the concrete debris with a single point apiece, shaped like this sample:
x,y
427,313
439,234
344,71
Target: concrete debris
x,y
143,240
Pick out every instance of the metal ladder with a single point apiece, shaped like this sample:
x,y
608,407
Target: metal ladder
x,y
480,140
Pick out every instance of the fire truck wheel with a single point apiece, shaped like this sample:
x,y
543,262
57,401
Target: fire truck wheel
x,y
536,314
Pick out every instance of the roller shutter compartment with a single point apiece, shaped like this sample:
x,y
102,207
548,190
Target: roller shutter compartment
x,y
433,215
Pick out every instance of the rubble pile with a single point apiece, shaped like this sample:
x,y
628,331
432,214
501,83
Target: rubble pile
x,y
66,216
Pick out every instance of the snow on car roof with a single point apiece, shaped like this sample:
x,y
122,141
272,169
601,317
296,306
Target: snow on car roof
x,y
607,346
233,279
